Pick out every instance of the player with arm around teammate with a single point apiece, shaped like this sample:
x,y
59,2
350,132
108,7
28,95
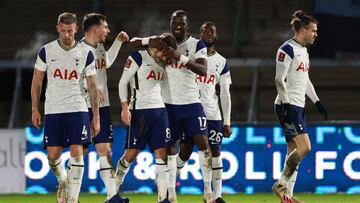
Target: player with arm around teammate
x,y
146,115
65,63
292,84
96,31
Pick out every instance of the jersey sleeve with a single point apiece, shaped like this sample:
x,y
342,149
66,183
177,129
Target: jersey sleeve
x,y
112,53
40,63
90,64
284,58
201,51
310,91
225,77
131,67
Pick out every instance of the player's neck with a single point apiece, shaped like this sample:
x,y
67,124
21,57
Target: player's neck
x,y
211,50
90,40
299,40
67,46
182,39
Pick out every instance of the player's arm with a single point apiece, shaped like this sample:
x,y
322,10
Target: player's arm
x,y
115,47
311,93
90,74
283,63
129,71
36,85
225,99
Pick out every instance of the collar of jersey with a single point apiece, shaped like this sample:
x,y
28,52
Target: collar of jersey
x,y
88,43
298,42
184,39
212,54
66,49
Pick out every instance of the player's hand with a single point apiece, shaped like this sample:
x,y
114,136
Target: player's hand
x,y
36,118
171,53
227,131
101,96
123,37
126,116
95,126
320,107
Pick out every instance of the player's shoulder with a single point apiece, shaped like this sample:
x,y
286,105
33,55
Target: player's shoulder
x,y
138,56
288,48
220,57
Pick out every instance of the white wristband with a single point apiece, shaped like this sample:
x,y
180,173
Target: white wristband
x,y
145,41
227,122
184,59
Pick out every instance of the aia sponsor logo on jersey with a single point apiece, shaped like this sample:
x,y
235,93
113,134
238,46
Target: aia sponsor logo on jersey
x,y
100,64
303,67
154,75
207,79
66,74
176,64
281,57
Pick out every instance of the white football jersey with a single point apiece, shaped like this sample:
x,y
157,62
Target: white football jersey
x,y
145,76
65,69
101,64
180,86
294,57
217,73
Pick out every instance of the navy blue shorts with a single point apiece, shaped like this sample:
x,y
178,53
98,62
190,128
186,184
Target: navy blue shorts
x,y
148,127
106,133
186,121
293,123
215,133
65,129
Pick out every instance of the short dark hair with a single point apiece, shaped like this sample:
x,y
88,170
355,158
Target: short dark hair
x,y
180,13
169,40
300,19
91,19
67,18
208,23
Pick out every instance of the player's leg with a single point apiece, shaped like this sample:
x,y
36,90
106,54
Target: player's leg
x,y
78,131
53,143
103,148
290,147
186,149
172,143
215,138
159,134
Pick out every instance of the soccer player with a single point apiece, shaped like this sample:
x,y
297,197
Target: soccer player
x,y
146,116
292,84
217,73
181,95
96,31
67,123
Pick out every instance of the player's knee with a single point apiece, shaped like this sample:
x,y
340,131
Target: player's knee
x,y
307,149
215,152
53,156
161,154
201,142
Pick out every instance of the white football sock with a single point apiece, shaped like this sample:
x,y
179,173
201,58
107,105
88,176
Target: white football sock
x,y
172,177
107,174
162,179
121,170
75,178
291,164
217,170
180,164
292,182
57,167
206,170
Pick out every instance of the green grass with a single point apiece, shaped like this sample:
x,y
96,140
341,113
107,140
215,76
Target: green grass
x,y
241,198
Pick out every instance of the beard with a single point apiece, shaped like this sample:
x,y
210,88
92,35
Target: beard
x,y
209,44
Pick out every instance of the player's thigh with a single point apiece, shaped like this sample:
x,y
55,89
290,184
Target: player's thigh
x,y
54,131
78,128
159,131
106,133
137,131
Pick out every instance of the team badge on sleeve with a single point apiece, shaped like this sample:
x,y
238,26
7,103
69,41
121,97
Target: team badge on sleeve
x,y
281,57
128,63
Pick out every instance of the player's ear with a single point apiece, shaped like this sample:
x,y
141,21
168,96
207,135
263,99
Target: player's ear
x,y
57,28
76,28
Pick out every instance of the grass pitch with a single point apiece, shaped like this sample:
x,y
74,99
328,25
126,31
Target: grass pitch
x,y
141,198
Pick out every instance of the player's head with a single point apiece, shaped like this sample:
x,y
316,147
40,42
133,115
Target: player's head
x,y
305,26
67,28
208,33
179,24
96,24
168,40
